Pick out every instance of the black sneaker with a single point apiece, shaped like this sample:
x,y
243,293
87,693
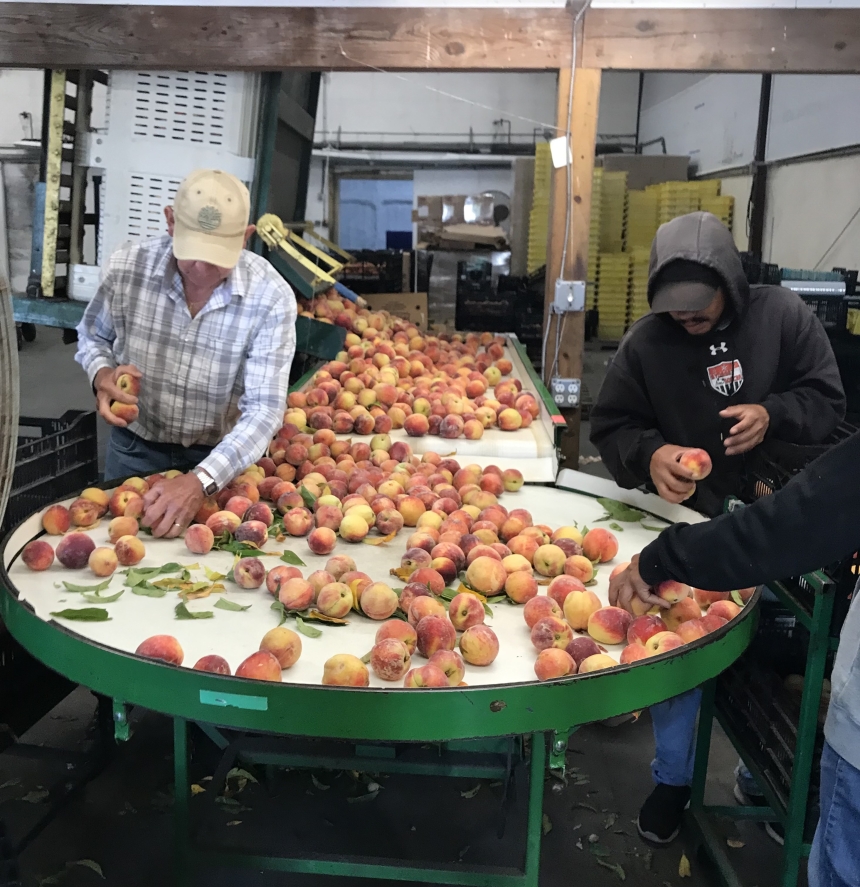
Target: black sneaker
x,y
660,817
773,830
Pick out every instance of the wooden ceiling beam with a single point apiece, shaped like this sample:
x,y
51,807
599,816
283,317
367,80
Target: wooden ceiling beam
x,y
814,41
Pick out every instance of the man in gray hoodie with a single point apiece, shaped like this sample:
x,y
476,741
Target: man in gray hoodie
x,y
716,365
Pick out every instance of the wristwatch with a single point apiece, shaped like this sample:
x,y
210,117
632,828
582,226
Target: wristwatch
x,y
209,485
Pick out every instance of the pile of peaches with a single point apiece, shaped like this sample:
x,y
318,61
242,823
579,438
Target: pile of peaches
x,y
392,376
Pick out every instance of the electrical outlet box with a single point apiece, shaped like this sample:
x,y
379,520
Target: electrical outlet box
x,y
565,392
569,296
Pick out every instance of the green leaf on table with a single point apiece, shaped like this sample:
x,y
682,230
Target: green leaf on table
x,y
147,589
224,604
278,607
82,589
487,610
497,599
136,575
291,558
617,527
97,598
653,529
308,497
182,612
621,512
307,630
86,614
736,597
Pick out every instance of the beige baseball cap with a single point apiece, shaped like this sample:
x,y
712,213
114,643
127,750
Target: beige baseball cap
x,y
211,211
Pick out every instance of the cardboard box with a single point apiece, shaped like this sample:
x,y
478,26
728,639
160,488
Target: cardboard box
x,y
412,306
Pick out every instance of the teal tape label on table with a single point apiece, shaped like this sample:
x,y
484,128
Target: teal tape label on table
x,y
234,700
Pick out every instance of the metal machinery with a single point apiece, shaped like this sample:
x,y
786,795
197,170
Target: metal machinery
x,y
476,730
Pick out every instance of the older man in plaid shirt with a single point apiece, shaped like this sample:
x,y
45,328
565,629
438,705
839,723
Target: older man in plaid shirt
x,y
208,330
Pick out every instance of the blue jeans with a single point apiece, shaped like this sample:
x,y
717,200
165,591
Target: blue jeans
x,y
835,857
129,455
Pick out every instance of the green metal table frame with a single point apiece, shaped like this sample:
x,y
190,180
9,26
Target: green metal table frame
x,y
559,423
792,816
553,709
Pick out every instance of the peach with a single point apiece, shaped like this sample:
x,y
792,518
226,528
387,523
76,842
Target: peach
x,y
416,425
697,462
581,648
609,625
223,522
238,505
339,564
724,610
411,508
662,643
103,561
38,555
426,677
390,659
746,593
711,622
691,630
481,550
435,633
318,580
579,606
345,670
486,575
199,539
260,666
672,591
129,550
296,594
122,526
549,560
254,532
249,572
260,512
84,512
424,606
632,653
128,412
213,663
357,581
618,569
429,577
683,611
56,520
479,645
520,586
465,610
516,563
599,545
353,527
524,545
512,479
161,646
451,551
596,663
378,601
644,627
415,558
552,663
335,599
389,521
705,598
540,607
128,384
451,663
509,419
561,587
410,592
126,502
322,540
284,644
299,522
402,631
280,574
551,632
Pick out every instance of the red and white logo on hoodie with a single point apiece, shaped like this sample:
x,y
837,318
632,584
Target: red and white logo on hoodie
x,y
726,377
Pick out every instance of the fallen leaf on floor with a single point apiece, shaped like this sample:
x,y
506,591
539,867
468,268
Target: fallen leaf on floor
x,y
9,783
579,844
89,864
735,844
593,839
584,807
472,792
320,785
610,821
370,796
684,870
35,797
647,858
197,789
497,784
235,822
581,780
206,779
546,824
613,867
597,850
463,852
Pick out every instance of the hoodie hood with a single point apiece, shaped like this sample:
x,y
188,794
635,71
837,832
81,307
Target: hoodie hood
x,y
702,238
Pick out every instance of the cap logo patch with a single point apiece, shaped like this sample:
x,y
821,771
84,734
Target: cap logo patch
x,y
209,218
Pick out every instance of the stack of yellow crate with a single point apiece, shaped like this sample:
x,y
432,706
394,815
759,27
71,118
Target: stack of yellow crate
x,y
641,219
722,207
637,293
594,237
539,216
613,281
708,188
675,199
613,211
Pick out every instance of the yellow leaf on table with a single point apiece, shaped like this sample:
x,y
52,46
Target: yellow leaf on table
x,y
402,573
379,540
212,576
321,617
464,589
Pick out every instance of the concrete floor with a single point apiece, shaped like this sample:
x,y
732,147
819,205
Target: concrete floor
x,y
122,819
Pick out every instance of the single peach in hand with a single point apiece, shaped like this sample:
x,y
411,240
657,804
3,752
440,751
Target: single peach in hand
x,y
126,501
345,670
672,591
599,545
596,663
400,630
609,625
56,520
464,611
427,677
38,555
260,666
724,609
284,644
128,412
552,663
579,606
390,659
479,645
540,607
697,462
213,663
161,646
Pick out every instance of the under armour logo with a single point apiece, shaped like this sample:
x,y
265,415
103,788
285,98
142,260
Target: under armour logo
x,y
715,348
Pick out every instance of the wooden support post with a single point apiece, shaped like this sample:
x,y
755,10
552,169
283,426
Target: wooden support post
x,y
583,129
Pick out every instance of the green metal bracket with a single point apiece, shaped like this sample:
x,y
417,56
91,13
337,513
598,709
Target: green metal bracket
x,y
121,727
558,749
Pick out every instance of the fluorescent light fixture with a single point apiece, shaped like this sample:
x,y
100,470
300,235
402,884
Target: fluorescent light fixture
x,y
333,4
725,4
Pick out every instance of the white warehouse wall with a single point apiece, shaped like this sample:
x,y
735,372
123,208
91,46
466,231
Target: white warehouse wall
x,y
20,92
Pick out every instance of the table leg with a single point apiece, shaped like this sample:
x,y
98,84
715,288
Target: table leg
x,y
181,826
534,832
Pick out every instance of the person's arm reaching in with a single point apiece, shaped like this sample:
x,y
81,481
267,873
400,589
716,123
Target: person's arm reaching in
x,y
813,521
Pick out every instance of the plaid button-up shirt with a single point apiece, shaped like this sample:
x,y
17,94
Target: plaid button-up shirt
x,y
220,378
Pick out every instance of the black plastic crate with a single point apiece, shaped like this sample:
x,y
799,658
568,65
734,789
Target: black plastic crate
x,y
832,311
55,458
754,701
